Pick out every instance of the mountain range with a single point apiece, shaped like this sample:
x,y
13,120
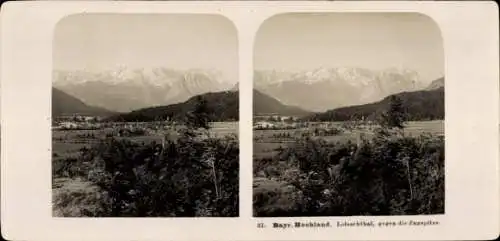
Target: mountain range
x,y
424,104
326,88
436,84
124,89
322,94
224,106
264,105
427,104
65,104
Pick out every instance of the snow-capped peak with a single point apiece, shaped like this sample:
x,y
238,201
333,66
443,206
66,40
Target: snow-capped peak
x,y
354,76
156,76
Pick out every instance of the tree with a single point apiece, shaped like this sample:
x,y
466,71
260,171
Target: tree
x,y
199,117
395,116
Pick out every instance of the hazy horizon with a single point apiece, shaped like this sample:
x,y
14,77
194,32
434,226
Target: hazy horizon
x,y
101,42
304,41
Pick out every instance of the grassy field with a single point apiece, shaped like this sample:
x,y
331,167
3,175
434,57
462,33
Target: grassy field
x,y
68,144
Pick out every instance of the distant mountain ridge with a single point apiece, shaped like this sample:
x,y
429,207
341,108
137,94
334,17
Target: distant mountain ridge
x,y
436,84
425,104
236,87
326,88
125,89
65,104
224,106
264,104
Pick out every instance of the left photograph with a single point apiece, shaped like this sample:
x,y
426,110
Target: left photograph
x,y
145,111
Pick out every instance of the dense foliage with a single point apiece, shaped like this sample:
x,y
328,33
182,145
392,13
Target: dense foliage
x,y
185,177
420,105
393,175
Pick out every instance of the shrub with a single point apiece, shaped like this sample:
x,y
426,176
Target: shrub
x,y
64,167
275,199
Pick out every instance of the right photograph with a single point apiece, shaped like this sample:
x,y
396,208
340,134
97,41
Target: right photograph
x,y
348,115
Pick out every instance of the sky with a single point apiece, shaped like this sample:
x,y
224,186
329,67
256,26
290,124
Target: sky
x,y
370,40
180,41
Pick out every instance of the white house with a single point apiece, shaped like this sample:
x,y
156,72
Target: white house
x,y
68,125
263,124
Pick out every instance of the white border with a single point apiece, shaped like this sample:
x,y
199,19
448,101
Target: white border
x,y
470,34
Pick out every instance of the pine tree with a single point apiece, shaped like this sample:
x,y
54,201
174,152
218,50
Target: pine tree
x,y
395,116
199,117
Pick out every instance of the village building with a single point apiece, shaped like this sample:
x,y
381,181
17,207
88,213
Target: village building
x,y
264,125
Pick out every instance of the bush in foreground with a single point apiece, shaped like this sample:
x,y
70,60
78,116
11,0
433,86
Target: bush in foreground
x,y
187,177
388,175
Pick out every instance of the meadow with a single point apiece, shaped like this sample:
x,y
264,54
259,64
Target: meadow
x,y
122,171
349,168
68,142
